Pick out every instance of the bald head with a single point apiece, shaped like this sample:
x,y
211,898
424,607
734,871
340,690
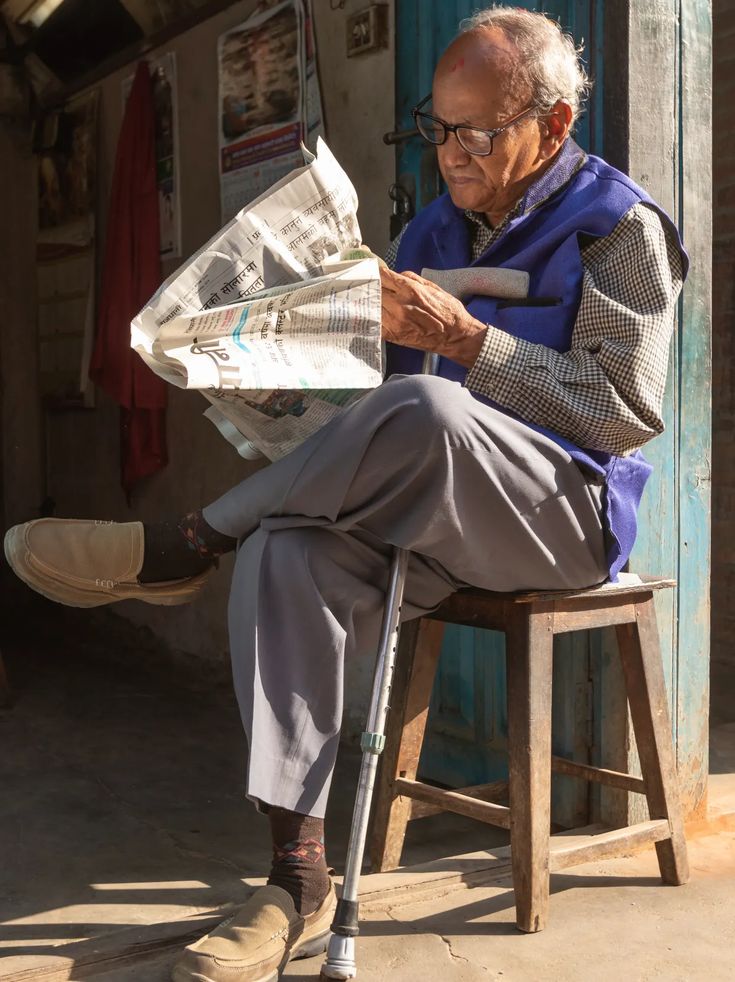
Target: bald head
x,y
481,83
545,59
488,60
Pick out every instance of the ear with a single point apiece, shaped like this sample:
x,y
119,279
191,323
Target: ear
x,y
558,123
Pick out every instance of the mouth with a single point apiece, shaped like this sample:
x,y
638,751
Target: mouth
x,y
460,180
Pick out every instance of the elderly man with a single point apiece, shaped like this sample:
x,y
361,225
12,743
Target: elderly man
x,y
517,468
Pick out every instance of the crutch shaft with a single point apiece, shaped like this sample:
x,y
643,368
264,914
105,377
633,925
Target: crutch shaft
x,y
345,924
373,738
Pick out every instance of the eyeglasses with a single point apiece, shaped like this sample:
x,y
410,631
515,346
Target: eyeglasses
x,y
475,141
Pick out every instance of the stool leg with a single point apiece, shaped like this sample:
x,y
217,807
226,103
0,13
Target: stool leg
x,y
529,659
418,654
640,654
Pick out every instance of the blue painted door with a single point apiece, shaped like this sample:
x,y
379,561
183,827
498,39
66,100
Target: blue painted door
x,y
466,738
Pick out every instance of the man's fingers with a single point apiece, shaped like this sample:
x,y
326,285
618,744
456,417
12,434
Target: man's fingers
x,y
391,318
405,285
410,325
391,305
390,281
416,278
421,282
428,285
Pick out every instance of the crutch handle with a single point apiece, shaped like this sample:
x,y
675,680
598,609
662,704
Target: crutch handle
x,y
486,281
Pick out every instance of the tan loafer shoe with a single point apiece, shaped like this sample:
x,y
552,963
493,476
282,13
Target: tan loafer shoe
x,y
255,944
84,563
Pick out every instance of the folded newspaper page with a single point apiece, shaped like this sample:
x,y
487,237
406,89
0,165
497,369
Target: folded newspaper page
x,y
269,320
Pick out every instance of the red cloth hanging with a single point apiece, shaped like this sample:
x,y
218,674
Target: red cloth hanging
x,y
130,276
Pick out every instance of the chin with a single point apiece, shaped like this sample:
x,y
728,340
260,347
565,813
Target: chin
x,y
467,201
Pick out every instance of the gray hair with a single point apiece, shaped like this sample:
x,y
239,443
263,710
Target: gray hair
x,y
550,62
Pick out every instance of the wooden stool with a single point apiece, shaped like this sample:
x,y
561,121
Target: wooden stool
x,y
529,622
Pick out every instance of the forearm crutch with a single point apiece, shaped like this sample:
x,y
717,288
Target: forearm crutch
x,y
340,962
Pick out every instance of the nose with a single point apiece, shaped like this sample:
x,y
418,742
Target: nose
x,y
452,153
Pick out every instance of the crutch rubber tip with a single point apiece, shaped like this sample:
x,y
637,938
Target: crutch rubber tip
x,y
340,963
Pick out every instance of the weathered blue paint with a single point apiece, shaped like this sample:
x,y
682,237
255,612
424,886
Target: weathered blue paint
x,y
649,99
665,100
466,740
691,718
669,99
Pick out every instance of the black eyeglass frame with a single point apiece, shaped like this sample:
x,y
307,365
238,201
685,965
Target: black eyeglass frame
x,y
456,127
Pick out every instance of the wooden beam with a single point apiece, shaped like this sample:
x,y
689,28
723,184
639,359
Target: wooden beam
x,y
600,775
582,615
134,52
629,585
573,850
419,648
485,792
453,801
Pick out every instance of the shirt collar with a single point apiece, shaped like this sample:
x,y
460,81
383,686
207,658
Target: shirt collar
x,y
566,164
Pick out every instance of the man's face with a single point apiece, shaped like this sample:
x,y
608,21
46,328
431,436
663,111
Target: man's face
x,y
471,86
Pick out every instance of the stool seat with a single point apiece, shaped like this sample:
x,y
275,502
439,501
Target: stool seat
x,y
529,621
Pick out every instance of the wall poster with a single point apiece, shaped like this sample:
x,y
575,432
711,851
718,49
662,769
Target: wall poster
x,y
269,100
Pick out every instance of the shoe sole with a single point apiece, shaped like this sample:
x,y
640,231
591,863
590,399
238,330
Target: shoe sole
x,y
188,976
314,946
77,596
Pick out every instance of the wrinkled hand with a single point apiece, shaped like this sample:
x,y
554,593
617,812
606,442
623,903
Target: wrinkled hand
x,y
419,314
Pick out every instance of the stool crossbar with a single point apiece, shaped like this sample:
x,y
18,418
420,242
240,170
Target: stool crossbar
x,y
529,622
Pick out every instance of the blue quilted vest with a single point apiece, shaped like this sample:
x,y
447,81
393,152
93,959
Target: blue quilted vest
x,y
566,202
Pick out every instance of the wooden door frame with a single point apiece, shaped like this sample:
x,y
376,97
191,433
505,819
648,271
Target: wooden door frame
x,y
658,129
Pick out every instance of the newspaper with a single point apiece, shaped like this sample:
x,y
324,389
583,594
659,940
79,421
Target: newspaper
x,y
269,320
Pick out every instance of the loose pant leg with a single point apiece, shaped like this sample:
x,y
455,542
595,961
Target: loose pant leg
x,y
479,498
419,463
302,601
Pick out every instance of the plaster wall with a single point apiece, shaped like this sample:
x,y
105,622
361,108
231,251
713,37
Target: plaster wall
x,y
22,453
83,447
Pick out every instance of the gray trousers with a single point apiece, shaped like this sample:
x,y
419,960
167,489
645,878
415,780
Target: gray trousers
x,y
477,497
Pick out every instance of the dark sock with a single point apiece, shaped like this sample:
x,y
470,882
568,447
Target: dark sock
x,y
299,864
174,550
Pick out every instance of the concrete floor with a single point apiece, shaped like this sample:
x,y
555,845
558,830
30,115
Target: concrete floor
x,y
122,808
609,921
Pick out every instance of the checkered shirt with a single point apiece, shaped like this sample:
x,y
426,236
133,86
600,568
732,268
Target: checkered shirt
x,y
606,392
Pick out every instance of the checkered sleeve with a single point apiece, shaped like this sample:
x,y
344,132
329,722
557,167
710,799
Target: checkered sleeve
x,y
606,392
391,253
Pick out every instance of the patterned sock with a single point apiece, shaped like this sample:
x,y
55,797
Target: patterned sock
x,y
186,547
299,864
